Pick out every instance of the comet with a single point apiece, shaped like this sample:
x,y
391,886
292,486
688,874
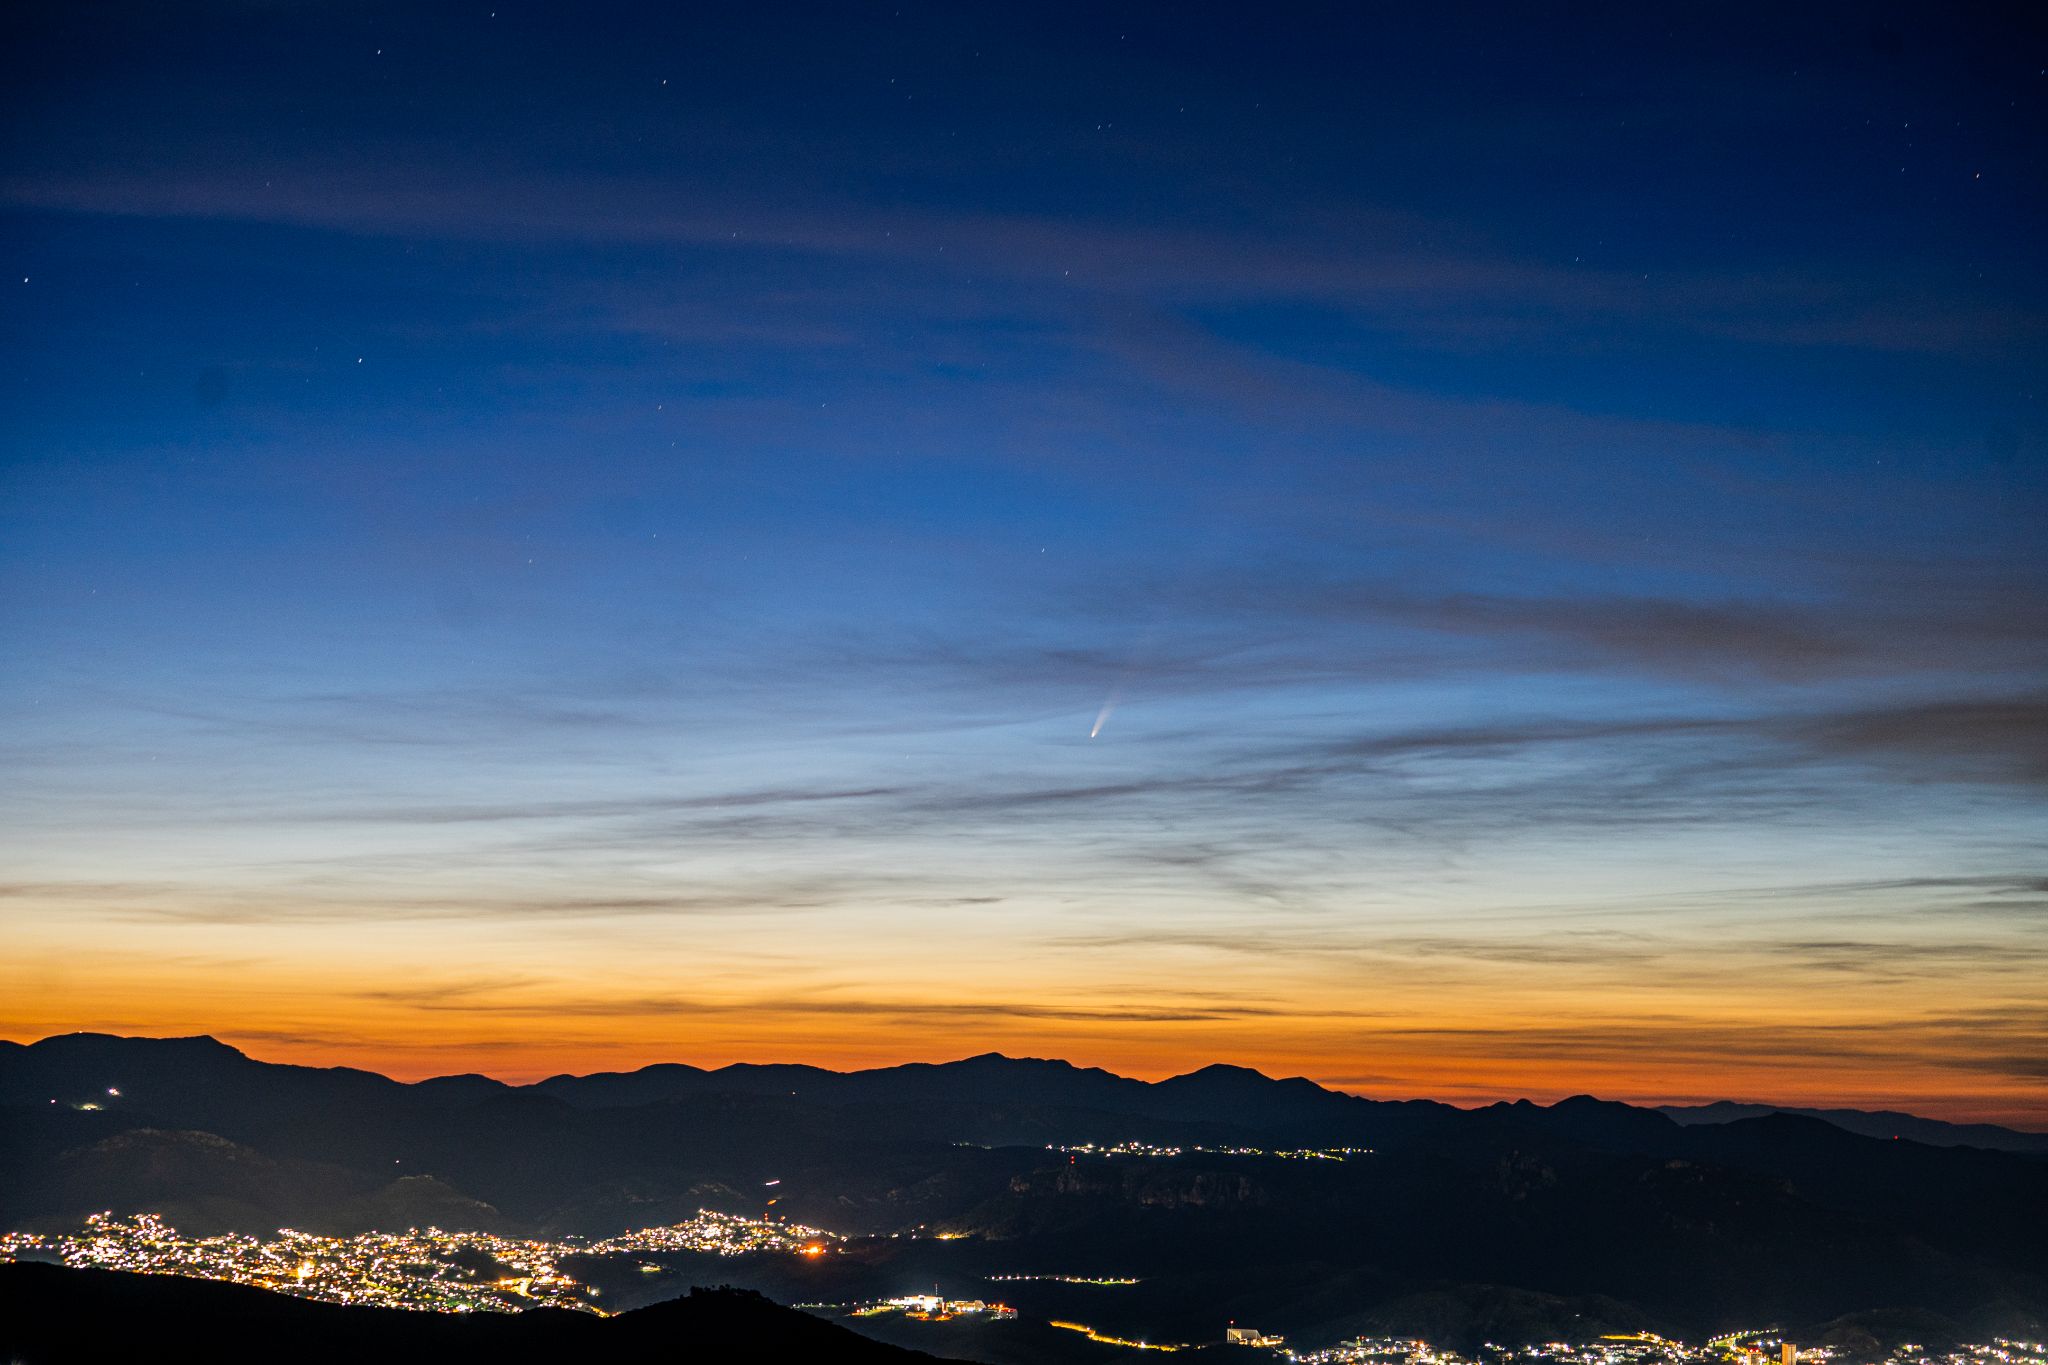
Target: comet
x,y
1119,683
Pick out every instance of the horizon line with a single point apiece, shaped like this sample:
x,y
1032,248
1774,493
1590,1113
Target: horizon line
x,y
1693,1102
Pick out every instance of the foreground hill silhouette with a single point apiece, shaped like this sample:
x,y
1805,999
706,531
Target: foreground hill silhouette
x,y
50,1314
1574,1210
60,1314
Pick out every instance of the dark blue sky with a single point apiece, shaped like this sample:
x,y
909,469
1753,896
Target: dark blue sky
x,y
609,528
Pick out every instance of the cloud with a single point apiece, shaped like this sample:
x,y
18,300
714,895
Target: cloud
x,y
1815,936
2006,1042
1903,959
361,1044
1996,739
1370,260
574,1007
1856,623
368,902
597,809
1770,638
1270,821
1970,740
2022,884
88,890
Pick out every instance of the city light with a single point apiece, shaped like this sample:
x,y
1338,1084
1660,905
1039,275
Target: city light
x,y
421,1268
1149,1149
430,1269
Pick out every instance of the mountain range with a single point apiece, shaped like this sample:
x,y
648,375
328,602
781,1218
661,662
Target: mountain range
x,y
1515,1218
1877,1123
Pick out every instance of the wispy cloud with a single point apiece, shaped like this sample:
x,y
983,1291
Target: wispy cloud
x,y
1945,1041
1373,262
608,1007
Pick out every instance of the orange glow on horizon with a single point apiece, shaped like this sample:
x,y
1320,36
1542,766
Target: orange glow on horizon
x,y
1702,1018
1470,1060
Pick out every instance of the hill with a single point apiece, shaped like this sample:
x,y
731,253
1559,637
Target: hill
x,y
50,1314
1877,1123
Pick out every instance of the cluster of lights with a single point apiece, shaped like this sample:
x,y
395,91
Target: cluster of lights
x,y
1294,1153
1070,1279
924,1307
420,1268
435,1270
1149,1149
1641,1348
2001,1351
1107,1340
1376,1351
1645,1348
720,1234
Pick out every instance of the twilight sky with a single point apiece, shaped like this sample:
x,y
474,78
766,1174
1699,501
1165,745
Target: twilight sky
x,y
1475,554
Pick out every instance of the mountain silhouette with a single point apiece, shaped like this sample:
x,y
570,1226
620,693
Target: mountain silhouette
x,y
51,1315
1689,1227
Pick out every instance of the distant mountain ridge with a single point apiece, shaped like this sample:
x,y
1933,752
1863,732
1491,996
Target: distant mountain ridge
x,y
1877,1123
991,1077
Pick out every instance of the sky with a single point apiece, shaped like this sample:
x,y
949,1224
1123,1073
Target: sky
x,y
1464,551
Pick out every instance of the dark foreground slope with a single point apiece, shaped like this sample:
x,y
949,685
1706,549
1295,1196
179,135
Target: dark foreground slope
x,y
51,1314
